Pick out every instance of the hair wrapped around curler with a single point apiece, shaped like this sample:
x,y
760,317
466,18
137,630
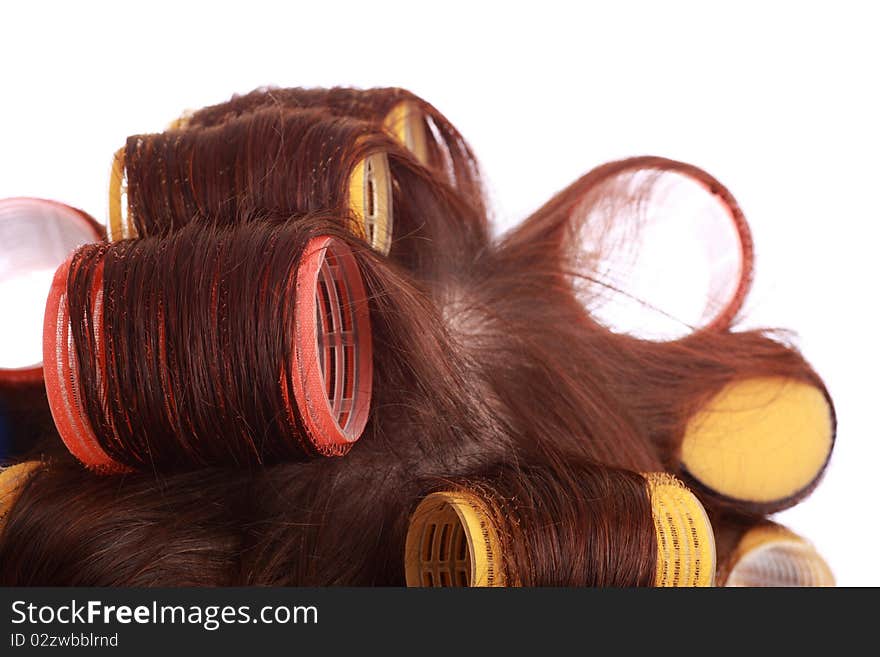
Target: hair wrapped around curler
x,y
610,528
742,416
259,319
615,233
215,345
277,163
411,120
272,162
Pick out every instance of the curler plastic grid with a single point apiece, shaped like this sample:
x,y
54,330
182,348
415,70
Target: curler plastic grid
x,y
333,363
452,542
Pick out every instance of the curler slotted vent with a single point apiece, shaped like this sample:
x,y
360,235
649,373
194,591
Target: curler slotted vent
x,y
370,201
452,542
334,362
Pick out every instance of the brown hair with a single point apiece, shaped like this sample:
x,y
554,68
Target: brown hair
x,y
274,162
490,374
445,152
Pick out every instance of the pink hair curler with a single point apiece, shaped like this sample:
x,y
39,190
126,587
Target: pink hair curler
x,y
36,235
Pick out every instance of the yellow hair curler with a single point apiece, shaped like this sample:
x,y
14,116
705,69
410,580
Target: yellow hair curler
x,y
760,441
369,199
406,123
771,555
119,227
11,481
452,541
685,542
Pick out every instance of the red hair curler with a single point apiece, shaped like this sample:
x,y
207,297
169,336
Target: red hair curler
x,y
325,386
36,236
61,373
332,369
667,212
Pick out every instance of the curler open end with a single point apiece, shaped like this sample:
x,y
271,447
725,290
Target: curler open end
x,y
760,441
772,556
333,352
685,541
36,236
627,218
370,201
452,542
406,123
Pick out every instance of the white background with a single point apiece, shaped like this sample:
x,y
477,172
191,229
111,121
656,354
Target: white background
x,y
777,100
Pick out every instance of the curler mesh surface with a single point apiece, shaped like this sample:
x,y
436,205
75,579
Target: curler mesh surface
x,y
772,556
685,542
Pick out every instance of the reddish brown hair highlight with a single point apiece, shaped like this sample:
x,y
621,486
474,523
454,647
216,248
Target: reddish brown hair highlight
x,y
491,374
